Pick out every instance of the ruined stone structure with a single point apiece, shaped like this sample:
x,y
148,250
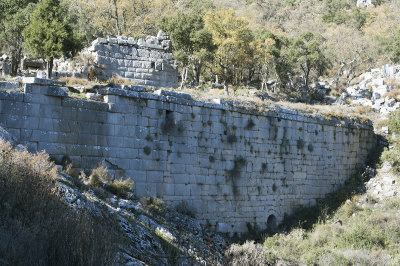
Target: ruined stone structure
x,y
146,62
234,167
5,65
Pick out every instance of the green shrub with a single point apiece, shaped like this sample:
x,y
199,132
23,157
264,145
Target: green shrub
x,y
153,205
394,122
231,138
360,236
120,187
147,150
392,156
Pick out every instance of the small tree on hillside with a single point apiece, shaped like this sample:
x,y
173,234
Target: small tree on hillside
x,y
306,53
192,42
49,35
233,37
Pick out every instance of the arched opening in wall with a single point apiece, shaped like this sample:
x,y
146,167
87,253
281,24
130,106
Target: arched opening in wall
x,y
271,223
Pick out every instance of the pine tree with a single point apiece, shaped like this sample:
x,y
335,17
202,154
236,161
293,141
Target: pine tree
x,y
13,20
48,35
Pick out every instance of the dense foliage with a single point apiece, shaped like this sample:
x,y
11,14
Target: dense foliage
x,y
287,43
49,35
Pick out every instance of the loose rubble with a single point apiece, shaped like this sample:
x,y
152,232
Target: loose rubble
x,y
373,88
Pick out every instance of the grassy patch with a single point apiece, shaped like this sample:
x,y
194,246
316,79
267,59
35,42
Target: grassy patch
x,y
118,80
77,95
371,236
72,81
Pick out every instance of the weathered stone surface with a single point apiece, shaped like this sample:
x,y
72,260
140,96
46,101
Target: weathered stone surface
x,y
126,58
9,85
233,171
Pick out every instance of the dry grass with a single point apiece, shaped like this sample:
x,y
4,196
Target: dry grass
x,y
100,178
393,82
120,187
72,81
69,170
245,99
118,80
249,253
75,95
382,123
7,78
393,94
36,226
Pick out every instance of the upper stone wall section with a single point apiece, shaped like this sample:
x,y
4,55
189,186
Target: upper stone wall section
x,y
146,62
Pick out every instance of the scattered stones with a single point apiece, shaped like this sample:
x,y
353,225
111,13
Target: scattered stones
x,y
372,90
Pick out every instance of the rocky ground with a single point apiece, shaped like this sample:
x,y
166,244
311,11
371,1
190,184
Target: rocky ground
x,y
383,186
377,89
153,237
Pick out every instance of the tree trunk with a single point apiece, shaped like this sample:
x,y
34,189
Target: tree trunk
x,y
183,77
14,65
117,18
196,72
226,88
50,67
307,81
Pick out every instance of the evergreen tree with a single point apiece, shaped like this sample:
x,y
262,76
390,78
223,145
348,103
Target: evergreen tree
x,y
48,35
306,53
13,20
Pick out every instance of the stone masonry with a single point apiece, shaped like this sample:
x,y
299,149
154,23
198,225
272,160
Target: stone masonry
x,y
146,62
232,166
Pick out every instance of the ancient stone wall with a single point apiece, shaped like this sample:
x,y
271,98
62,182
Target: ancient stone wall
x,y
145,62
233,167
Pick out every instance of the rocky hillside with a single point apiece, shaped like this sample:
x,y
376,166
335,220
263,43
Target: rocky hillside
x,y
49,217
153,234
378,89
